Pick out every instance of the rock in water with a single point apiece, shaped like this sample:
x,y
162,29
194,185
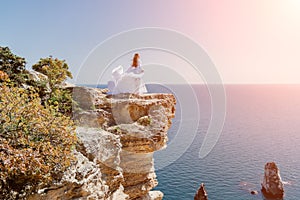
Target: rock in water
x,y
272,185
254,192
201,194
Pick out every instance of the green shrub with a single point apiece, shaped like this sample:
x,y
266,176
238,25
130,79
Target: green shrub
x,y
57,72
61,100
13,66
36,143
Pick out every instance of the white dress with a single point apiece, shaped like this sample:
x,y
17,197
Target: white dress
x,y
127,82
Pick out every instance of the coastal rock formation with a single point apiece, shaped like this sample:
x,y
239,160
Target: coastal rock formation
x,y
153,195
272,185
201,194
118,136
90,177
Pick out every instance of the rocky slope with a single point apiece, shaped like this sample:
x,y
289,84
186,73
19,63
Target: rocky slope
x,y
118,134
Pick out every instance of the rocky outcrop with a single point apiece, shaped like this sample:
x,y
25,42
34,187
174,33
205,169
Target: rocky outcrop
x,y
272,185
118,135
39,78
90,177
201,194
142,122
153,195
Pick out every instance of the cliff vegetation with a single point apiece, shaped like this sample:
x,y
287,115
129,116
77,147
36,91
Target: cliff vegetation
x,y
36,135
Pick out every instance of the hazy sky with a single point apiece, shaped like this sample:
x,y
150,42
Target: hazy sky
x,y
249,41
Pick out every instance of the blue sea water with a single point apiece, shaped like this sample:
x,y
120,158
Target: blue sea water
x,y
262,124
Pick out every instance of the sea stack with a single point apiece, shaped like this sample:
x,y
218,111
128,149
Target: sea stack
x,y
201,194
272,185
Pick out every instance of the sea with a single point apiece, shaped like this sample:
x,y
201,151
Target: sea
x,y
261,124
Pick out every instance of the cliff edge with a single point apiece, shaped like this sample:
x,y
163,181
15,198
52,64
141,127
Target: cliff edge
x,y
118,136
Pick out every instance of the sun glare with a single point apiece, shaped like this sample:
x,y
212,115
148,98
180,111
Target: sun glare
x,y
293,4
291,9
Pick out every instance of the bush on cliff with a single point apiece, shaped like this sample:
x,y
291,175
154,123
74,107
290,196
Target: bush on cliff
x,y
57,72
35,143
36,140
3,77
13,66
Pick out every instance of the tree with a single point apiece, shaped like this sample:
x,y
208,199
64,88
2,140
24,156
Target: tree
x,y
13,66
56,70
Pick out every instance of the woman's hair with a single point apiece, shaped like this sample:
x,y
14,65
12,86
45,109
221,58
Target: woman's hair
x,y
135,61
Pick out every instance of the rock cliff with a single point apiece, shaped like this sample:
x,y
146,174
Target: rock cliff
x,y
272,185
118,136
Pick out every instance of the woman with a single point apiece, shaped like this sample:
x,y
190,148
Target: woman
x,y
130,81
136,65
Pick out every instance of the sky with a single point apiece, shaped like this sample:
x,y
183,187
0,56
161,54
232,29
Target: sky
x,y
249,41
